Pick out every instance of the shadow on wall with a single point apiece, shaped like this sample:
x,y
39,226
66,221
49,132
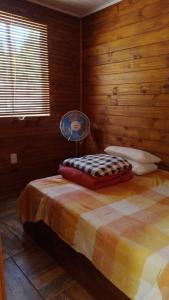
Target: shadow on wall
x,y
96,139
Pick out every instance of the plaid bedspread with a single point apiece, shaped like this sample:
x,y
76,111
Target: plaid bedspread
x,y
98,164
123,230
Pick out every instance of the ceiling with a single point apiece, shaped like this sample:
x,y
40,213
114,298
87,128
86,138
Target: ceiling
x,y
79,8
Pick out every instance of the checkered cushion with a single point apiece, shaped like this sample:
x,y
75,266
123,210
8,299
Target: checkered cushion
x,y
98,165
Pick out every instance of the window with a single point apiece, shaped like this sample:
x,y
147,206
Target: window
x,y
24,74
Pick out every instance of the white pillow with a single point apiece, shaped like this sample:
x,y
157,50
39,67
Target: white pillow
x,y
132,153
141,169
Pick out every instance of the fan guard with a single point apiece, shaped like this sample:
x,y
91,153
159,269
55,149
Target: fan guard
x,y
75,126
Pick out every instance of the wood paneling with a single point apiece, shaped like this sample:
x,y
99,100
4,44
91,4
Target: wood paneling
x,y
126,83
126,86
37,141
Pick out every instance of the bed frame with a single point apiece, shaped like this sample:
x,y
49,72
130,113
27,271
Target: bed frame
x,y
75,263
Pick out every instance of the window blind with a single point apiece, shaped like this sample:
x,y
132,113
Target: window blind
x,y
24,73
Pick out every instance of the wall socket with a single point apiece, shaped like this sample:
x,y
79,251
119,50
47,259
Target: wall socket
x,y
13,158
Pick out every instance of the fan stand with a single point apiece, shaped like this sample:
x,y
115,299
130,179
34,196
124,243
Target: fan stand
x,y
77,149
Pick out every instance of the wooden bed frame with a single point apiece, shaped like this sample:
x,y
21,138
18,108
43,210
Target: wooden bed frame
x,y
75,263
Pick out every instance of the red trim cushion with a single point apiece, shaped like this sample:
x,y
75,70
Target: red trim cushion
x,y
92,182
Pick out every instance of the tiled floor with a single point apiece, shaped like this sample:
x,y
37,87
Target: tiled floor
x,y
30,273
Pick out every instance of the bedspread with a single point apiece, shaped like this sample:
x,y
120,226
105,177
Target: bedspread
x,y
122,229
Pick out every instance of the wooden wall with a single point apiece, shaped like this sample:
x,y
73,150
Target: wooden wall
x,y
126,76
126,87
38,141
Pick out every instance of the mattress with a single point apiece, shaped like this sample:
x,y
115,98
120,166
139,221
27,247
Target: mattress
x,y
123,229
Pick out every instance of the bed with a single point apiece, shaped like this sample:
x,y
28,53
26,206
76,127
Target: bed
x,y
119,232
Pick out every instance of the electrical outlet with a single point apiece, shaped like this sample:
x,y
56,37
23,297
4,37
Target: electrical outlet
x,y
13,158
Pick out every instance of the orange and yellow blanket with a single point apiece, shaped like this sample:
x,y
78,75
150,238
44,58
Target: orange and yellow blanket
x,y
122,229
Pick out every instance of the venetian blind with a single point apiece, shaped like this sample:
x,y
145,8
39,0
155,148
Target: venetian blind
x,y
24,75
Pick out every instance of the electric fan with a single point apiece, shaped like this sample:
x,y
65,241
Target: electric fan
x,y
75,126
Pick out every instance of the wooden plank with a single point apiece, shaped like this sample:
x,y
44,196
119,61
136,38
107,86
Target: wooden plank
x,y
140,64
130,42
157,23
130,111
147,51
48,277
141,122
161,100
131,77
17,286
14,241
99,119
33,261
151,146
52,281
116,20
75,292
150,88
133,132
122,9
